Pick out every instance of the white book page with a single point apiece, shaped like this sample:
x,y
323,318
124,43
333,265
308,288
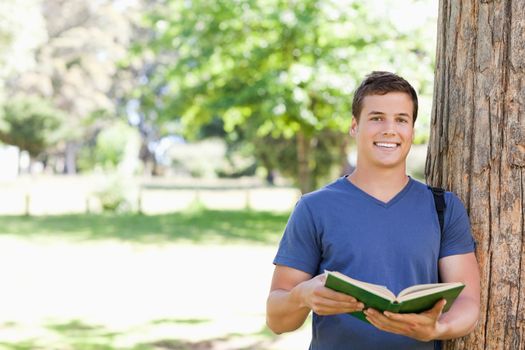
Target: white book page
x,y
425,289
373,288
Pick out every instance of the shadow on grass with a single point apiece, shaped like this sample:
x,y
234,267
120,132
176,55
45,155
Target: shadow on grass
x,y
173,344
79,329
196,226
77,335
188,321
260,340
23,345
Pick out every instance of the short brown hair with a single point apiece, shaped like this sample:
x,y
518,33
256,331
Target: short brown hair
x,y
381,83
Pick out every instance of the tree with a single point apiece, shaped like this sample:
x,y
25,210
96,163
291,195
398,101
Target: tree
x,y
477,149
109,148
31,124
19,38
77,65
276,68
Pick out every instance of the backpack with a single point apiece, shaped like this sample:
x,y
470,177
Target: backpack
x,y
439,201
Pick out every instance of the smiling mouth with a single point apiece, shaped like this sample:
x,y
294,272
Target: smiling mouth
x,y
387,145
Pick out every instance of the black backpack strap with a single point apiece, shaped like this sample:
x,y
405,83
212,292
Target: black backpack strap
x,y
439,201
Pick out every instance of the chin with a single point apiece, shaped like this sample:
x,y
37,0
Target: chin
x,y
389,165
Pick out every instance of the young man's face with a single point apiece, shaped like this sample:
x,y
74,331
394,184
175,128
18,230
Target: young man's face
x,y
385,130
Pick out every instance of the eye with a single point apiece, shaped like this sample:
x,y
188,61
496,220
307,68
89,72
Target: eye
x,y
375,118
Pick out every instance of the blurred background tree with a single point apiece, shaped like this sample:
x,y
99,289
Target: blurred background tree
x,y
76,68
276,74
272,80
32,124
22,31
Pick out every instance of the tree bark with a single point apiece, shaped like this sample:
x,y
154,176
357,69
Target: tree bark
x,y
477,150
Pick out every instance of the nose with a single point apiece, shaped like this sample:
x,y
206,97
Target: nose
x,y
389,129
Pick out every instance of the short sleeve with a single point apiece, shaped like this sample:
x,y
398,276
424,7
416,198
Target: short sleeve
x,y
457,234
300,247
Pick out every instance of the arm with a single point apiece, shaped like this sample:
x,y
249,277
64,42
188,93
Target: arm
x,y
294,293
460,320
463,316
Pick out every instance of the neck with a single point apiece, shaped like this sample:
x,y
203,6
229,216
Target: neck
x,y
383,184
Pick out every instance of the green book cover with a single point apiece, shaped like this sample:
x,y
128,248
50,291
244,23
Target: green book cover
x,y
414,299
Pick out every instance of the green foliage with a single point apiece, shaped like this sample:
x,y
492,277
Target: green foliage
x,y
199,159
109,149
32,124
268,68
112,198
325,161
117,195
262,65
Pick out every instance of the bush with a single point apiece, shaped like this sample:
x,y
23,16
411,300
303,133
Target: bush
x,y
118,195
110,148
32,124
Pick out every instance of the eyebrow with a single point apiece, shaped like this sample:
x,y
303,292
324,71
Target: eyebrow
x,y
381,113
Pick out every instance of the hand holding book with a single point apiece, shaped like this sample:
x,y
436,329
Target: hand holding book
x,y
324,301
423,326
415,299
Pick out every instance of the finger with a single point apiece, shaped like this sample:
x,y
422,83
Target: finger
x,y
379,318
407,322
411,319
332,294
393,320
322,278
437,310
397,317
383,323
324,311
339,306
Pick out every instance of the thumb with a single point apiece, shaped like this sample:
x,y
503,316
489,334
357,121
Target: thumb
x,y
438,308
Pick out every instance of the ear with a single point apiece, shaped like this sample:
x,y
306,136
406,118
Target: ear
x,y
353,127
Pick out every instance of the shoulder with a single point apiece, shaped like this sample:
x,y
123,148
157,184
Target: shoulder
x,y
326,193
451,199
315,205
421,191
454,208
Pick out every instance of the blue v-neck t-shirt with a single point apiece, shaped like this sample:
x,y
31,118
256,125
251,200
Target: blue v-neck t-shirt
x,y
395,244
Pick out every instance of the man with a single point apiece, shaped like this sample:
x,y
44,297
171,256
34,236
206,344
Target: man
x,y
376,225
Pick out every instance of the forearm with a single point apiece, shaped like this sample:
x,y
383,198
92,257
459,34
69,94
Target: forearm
x,y
284,311
460,320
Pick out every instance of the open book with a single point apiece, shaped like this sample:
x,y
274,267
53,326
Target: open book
x,y
415,299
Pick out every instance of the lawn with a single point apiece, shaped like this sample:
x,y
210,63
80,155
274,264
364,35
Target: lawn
x,y
195,280
196,226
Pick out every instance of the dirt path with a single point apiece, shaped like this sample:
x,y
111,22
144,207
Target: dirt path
x,y
210,296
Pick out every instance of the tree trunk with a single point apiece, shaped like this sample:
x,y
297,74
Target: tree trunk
x,y
477,149
303,156
70,167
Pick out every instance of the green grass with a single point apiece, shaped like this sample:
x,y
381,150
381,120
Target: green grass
x,y
199,226
196,226
78,335
189,321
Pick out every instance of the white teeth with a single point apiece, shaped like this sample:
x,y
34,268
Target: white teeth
x,y
387,145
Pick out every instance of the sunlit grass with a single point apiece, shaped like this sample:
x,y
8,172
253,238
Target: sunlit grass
x,y
181,329
78,335
198,226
